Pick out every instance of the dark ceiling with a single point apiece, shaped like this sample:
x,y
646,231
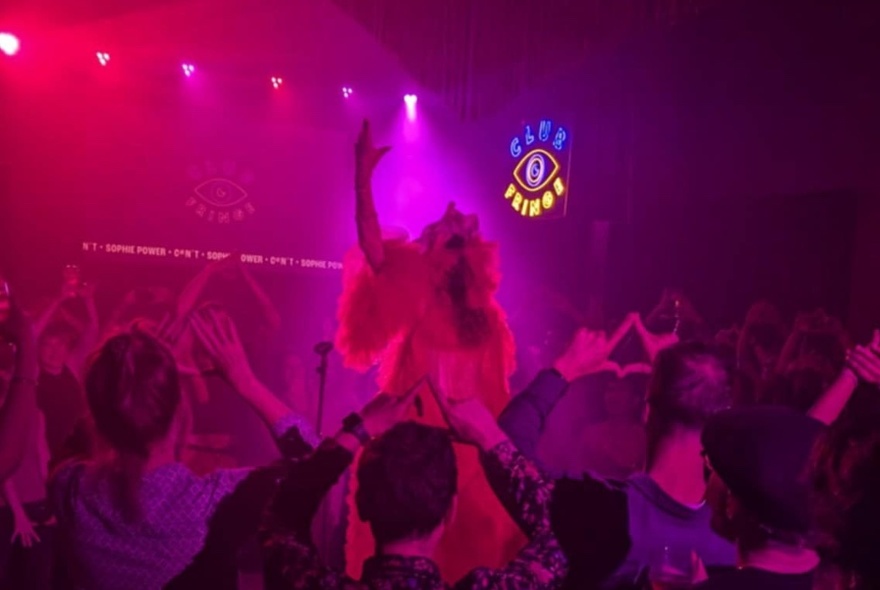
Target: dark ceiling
x,y
475,54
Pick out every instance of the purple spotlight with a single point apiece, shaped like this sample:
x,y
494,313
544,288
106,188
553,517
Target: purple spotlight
x,y
188,70
103,58
9,44
411,100
276,82
347,91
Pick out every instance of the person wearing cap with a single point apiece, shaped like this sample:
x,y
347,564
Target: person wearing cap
x,y
759,494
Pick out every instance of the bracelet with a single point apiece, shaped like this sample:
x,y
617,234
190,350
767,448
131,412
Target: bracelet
x,y
353,424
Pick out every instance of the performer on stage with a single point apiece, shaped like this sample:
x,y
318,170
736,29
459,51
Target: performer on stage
x,y
411,306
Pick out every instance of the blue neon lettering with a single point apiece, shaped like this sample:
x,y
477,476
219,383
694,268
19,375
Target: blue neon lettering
x,y
544,129
515,147
559,140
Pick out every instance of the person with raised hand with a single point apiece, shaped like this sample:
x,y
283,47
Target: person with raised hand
x,y
405,301
612,531
130,513
589,352
862,365
18,412
408,488
25,560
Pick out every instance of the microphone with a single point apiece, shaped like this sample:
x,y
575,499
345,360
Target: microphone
x,y
323,348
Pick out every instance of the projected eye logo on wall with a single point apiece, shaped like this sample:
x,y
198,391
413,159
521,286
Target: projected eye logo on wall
x,y
540,171
219,194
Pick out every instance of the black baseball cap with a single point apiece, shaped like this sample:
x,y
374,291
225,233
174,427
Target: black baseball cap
x,y
761,453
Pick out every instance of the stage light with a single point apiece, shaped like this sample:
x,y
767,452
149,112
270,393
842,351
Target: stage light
x,y
103,58
411,100
347,91
9,44
276,82
188,70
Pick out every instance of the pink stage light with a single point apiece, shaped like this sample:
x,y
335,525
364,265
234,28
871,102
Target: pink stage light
x,y
347,91
411,100
188,70
103,58
276,82
9,44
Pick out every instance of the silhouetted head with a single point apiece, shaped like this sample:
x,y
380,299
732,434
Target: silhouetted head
x,y
134,396
690,382
56,344
453,230
407,481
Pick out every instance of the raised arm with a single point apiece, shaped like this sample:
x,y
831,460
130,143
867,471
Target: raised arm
x,y
652,343
526,414
220,338
290,558
263,299
88,340
368,228
189,295
19,411
862,364
45,318
519,485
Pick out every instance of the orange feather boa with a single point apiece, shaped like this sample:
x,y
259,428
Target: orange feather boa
x,y
420,304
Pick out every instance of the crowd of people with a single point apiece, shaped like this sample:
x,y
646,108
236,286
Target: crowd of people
x,y
745,458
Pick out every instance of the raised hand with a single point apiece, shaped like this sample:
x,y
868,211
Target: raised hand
x,y
385,410
864,361
653,343
469,419
589,351
24,530
217,333
366,155
87,291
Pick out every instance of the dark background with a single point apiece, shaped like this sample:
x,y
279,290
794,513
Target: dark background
x,y
732,154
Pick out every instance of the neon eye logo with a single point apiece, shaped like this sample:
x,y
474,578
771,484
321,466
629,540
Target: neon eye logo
x,y
538,176
536,170
221,192
220,195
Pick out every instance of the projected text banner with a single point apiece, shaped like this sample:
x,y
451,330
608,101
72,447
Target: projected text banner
x,y
164,253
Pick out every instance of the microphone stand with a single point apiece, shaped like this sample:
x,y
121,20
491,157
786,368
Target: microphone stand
x,y
323,352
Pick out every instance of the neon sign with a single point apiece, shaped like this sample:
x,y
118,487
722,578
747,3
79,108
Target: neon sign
x,y
540,172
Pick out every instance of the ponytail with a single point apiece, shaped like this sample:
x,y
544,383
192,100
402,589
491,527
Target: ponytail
x,y
133,393
126,474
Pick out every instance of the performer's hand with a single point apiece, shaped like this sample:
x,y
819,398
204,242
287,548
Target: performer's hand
x,y
384,411
589,351
366,155
469,419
